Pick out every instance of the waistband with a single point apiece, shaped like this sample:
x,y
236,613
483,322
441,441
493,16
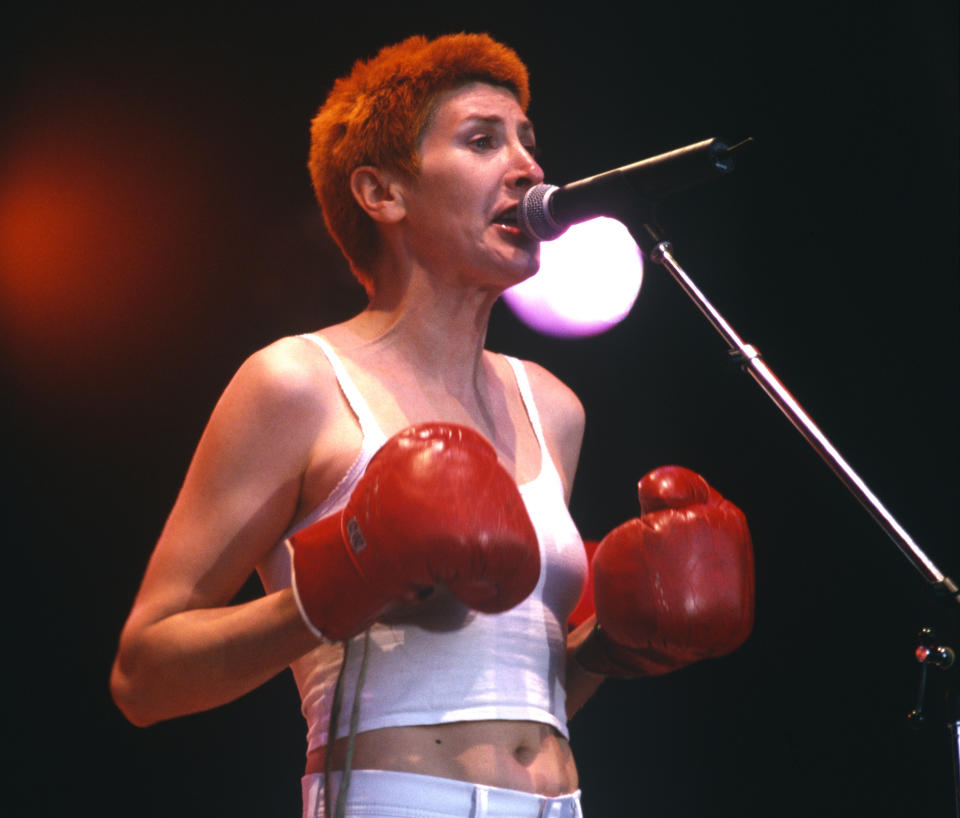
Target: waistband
x,y
389,794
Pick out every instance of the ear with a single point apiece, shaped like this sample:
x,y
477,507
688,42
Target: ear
x,y
378,193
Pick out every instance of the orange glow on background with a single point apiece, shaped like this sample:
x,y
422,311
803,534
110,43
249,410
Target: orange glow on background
x,y
63,246
91,219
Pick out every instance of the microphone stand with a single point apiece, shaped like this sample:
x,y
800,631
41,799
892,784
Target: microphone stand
x,y
928,653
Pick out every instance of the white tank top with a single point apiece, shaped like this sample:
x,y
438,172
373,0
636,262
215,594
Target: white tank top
x,y
447,663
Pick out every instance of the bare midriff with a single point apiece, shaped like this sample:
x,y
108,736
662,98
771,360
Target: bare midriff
x,y
519,755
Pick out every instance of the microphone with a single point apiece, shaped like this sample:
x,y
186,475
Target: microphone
x,y
546,211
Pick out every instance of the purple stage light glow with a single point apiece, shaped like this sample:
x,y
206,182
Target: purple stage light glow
x,y
588,281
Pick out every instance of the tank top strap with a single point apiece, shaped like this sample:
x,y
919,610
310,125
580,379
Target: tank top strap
x,y
368,423
526,395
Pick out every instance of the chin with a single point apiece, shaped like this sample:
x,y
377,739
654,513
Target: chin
x,y
511,267
510,275
533,265
526,258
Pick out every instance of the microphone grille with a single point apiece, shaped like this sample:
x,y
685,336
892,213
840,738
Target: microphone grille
x,y
534,214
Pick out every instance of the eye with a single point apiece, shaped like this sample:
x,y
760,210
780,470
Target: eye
x,y
482,142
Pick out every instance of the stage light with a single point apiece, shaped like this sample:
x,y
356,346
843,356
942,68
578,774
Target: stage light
x,y
588,281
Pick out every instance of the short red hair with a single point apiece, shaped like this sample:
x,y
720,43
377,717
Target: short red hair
x,y
376,114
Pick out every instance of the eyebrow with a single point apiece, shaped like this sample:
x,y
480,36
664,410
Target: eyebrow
x,y
525,127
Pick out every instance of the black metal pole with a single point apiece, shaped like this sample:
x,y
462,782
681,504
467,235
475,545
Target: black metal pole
x,y
660,252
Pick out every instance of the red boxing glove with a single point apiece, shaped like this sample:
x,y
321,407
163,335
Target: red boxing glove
x,y
674,586
434,507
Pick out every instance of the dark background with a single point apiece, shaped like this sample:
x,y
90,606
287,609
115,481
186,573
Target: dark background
x,y
158,226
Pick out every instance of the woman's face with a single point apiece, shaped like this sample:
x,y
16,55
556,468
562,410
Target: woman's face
x,y
476,162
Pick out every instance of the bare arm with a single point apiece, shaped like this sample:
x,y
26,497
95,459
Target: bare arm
x,y
184,647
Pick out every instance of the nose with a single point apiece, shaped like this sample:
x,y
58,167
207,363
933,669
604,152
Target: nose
x,y
525,171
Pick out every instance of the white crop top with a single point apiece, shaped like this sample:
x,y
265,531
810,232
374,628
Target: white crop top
x,y
447,663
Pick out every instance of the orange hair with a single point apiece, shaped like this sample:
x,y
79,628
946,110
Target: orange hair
x,y
376,114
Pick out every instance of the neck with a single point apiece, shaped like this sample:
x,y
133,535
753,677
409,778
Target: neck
x,y
434,329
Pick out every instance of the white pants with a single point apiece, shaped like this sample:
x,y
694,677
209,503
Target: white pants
x,y
387,794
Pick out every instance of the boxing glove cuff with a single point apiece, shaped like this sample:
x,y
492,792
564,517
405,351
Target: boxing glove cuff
x,y
601,655
334,599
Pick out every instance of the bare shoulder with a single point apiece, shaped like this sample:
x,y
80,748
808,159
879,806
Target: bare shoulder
x,y
562,415
262,435
288,381
556,402
289,369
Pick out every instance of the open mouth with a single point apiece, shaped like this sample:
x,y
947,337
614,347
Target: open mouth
x,y
507,217
508,222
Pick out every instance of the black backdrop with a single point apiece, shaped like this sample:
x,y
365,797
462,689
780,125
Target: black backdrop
x,y
159,226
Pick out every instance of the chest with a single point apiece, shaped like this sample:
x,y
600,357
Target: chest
x,y
371,408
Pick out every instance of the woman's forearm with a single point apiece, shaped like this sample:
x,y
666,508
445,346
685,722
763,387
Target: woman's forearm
x,y
201,658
